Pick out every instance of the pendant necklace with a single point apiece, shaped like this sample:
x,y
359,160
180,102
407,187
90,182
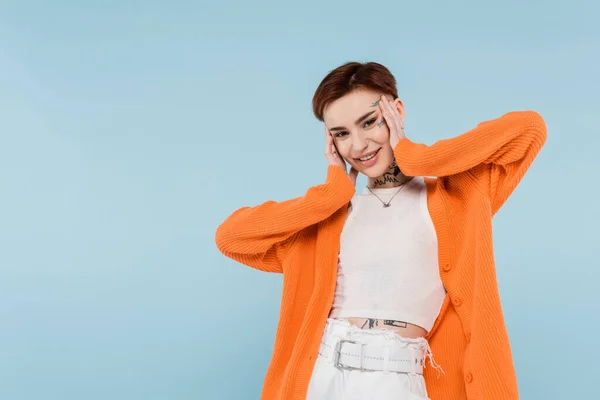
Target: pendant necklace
x,y
386,204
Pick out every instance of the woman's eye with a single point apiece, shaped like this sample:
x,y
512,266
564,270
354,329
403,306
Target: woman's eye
x,y
370,122
340,134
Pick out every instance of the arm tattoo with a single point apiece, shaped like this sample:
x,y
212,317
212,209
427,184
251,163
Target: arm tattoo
x,y
381,123
370,323
396,324
377,102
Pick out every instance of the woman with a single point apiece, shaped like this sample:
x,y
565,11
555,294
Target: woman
x,y
377,282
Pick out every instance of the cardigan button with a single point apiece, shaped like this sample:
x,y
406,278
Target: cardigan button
x,y
446,267
469,377
457,301
468,337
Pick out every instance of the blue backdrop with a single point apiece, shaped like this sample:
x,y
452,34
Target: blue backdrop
x,y
129,130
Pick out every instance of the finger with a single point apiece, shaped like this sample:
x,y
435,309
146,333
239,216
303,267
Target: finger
x,y
391,112
396,114
331,151
388,116
328,142
335,153
333,146
393,115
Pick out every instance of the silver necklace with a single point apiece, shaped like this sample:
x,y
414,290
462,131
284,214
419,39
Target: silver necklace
x,y
386,204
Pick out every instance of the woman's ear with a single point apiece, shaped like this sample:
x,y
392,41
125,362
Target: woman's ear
x,y
400,107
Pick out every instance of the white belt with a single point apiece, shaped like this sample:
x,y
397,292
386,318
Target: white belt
x,y
347,354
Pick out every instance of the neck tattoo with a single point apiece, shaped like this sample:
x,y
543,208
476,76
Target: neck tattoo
x,y
392,175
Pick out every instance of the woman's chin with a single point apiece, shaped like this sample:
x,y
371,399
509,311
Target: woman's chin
x,y
372,172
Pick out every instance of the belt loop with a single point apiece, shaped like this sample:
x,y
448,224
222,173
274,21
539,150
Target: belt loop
x,y
328,326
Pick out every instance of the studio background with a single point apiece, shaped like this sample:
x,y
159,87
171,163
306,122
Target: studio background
x,y
129,130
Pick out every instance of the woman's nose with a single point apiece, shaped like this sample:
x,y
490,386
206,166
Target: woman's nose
x,y
359,143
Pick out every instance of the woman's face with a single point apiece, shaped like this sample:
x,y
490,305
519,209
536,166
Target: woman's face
x,y
359,131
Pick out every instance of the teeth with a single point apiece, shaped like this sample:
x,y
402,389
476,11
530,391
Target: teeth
x,y
368,157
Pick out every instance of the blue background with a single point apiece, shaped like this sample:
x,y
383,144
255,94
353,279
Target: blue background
x,y
130,129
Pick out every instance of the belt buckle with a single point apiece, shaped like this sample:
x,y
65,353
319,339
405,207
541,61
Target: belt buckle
x,y
337,353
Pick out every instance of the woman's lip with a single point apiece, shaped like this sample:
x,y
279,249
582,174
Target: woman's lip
x,y
370,162
367,154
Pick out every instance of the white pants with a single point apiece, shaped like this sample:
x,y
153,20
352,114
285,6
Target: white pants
x,y
331,383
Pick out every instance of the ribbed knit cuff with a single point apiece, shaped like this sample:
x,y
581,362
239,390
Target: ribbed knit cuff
x,y
340,184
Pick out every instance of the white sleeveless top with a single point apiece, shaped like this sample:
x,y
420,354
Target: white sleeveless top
x,y
388,261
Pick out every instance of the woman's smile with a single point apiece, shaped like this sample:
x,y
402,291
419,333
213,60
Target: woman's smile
x,y
369,159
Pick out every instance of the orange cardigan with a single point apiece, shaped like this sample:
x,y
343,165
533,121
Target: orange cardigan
x,y
475,174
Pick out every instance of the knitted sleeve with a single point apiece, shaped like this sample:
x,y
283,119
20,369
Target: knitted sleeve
x,y
256,236
497,152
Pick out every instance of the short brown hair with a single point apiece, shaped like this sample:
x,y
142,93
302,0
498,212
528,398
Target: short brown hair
x,y
349,77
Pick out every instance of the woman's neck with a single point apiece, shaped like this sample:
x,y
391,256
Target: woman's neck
x,y
392,177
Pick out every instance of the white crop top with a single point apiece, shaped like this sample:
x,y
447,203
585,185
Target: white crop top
x,y
388,261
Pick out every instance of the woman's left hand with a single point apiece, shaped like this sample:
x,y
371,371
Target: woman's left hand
x,y
393,119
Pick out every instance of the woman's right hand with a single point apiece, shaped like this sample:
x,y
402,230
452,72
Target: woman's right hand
x,y
334,158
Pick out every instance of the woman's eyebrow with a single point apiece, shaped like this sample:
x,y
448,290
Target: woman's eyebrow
x,y
358,121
